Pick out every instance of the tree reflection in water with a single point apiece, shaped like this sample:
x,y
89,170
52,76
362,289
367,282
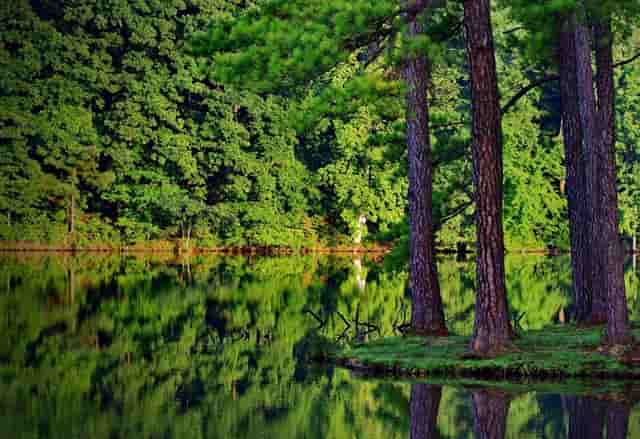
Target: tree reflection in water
x,y
153,346
425,401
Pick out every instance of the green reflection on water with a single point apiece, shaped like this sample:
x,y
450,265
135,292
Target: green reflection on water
x,y
153,346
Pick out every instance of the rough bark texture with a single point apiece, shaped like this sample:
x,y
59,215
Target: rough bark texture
x,y
425,401
575,172
586,417
606,219
490,411
617,420
588,120
427,314
492,329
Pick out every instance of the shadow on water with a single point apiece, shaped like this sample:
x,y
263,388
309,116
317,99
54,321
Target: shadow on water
x,y
152,346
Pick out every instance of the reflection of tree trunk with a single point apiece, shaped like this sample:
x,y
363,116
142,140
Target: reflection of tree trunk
x,y
607,220
492,330
427,314
586,417
490,411
425,401
617,420
71,294
360,279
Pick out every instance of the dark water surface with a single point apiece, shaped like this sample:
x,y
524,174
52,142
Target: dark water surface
x,y
152,346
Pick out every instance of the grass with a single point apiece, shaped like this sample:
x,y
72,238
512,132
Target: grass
x,y
552,353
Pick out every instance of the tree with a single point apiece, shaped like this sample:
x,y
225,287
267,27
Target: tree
x,y
427,313
575,170
618,331
492,329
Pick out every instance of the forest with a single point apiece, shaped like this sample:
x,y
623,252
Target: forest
x,y
124,122
334,150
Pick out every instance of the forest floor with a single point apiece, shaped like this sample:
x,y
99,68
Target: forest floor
x,y
556,352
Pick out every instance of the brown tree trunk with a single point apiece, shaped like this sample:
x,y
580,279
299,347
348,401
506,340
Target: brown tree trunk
x,y
492,329
575,170
586,417
607,209
427,314
425,401
490,412
71,214
590,140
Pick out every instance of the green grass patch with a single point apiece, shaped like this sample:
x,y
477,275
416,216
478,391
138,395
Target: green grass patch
x,y
554,352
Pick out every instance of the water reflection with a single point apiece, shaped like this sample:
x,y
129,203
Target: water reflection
x,y
425,402
118,346
493,416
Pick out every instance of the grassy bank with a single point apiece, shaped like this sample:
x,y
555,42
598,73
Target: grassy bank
x,y
553,353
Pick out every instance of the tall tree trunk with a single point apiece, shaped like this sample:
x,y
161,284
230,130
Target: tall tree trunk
x,y
492,329
71,214
490,412
607,209
588,120
575,170
425,401
427,314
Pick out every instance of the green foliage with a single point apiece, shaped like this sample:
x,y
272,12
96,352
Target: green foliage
x,y
271,122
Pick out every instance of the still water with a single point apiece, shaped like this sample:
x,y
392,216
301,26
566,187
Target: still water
x,y
152,346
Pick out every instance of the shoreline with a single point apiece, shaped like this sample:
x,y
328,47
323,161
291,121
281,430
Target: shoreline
x,y
556,352
231,250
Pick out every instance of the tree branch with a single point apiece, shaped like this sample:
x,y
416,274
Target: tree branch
x,y
549,78
627,61
526,89
454,213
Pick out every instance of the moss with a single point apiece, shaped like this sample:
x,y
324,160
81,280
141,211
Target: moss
x,y
554,352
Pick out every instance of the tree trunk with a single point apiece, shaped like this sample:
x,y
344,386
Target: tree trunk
x,y
71,214
425,401
575,170
588,120
427,314
607,209
586,417
492,329
490,412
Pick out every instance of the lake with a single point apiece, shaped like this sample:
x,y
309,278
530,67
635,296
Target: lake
x,y
154,346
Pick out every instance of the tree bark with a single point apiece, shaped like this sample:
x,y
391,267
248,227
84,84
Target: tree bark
x,y
425,401
490,412
607,218
590,140
427,314
492,329
72,214
575,171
